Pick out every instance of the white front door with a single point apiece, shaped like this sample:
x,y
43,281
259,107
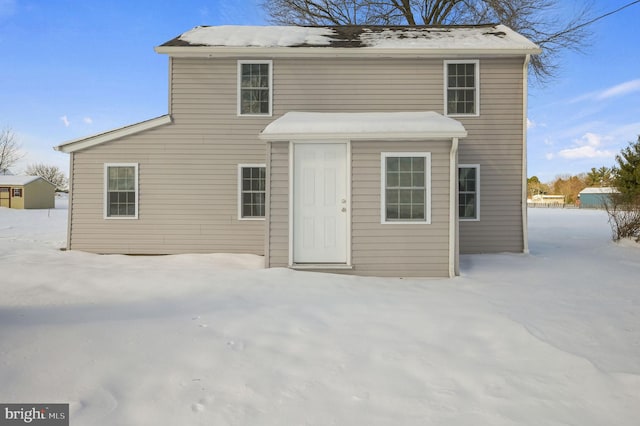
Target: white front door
x,y
320,205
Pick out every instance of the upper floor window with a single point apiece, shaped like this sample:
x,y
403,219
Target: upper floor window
x,y
254,87
121,190
462,87
469,191
406,187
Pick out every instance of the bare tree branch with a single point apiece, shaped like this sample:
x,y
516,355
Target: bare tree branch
x,y
539,20
9,150
51,173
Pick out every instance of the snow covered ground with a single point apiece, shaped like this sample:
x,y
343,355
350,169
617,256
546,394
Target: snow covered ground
x,y
549,338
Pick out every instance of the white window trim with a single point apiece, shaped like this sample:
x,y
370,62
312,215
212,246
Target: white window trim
x,y
105,195
383,187
240,167
477,167
239,88
446,86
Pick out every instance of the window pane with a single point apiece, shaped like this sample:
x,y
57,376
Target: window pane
x,y
405,191
417,196
393,179
393,196
461,93
418,164
405,164
392,211
417,211
393,164
467,206
405,179
405,211
252,192
121,195
254,85
418,180
467,187
405,196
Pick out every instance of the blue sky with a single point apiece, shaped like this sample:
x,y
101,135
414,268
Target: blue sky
x,y
72,68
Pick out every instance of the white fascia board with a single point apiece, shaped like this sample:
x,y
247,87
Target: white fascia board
x,y
89,141
272,137
330,52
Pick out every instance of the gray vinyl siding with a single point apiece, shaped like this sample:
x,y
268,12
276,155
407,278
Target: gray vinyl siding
x,y
408,250
278,232
495,142
187,197
188,169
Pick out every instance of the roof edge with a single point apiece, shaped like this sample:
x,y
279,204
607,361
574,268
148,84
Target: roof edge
x,y
391,136
32,179
415,125
298,52
345,41
110,135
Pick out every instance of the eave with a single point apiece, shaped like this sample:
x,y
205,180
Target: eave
x,y
100,138
333,52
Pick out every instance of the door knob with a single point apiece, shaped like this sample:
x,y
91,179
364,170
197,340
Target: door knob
x,y
344,209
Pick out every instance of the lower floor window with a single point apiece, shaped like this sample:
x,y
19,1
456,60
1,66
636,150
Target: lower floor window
x,y
468,191
251,181
121,181
406,187
17,192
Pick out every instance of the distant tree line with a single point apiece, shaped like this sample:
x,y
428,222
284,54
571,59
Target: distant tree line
x,y
11,152
624,176
622,207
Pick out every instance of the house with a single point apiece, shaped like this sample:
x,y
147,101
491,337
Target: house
x,y
595,197
26,192
381,151
546,200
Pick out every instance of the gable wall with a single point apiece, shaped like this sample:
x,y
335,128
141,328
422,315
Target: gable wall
x,y
188,169
39,195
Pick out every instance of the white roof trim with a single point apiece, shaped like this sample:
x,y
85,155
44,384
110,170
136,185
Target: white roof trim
x,y
419,125
332,52
89,141
20,180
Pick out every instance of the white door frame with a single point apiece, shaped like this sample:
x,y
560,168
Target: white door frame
x,y
292,145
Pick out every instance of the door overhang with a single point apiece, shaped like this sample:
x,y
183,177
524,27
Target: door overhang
x,y
318,128
421,125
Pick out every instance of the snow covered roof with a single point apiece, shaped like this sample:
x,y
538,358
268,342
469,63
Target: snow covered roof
x,y
363,125
18,180
491,38
599,190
